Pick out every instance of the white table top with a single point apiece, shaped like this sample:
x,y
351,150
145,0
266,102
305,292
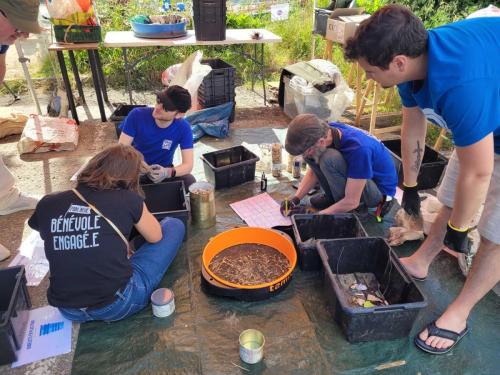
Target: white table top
x,y
233,36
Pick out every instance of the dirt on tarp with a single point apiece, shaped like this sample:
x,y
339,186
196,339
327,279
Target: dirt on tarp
x,y
201,337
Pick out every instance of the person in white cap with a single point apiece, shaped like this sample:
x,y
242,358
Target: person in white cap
x,y
18,18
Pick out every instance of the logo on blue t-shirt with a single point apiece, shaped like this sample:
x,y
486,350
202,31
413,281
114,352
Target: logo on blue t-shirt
x,y
167,143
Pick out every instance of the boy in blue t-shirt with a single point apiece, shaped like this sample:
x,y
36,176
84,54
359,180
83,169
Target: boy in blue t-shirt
x,y
352,167
450,76
157,132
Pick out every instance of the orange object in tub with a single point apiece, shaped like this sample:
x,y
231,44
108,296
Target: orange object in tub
x,y
275,239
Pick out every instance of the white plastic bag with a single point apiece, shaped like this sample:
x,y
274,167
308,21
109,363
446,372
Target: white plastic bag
x,y
189,75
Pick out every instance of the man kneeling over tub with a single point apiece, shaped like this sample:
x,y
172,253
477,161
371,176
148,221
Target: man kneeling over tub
x,y
157,132
84,232
354,169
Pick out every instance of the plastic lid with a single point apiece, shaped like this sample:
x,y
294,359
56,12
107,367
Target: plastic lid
x,y
162,296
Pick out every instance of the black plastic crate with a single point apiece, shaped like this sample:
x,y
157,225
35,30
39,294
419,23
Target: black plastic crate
x,y
220,80
308,229
229,167
119,114
320,20
209,19
370,255
14,312
433,165
167,199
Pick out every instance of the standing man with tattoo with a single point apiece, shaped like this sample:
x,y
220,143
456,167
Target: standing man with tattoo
x,y
450,76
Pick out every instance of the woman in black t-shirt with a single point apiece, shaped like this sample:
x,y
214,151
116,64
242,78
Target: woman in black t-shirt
x,y
85,231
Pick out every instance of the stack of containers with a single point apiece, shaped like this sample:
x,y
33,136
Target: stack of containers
x,y
218,86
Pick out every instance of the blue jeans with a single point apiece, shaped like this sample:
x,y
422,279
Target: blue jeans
x,y
149,264
331,172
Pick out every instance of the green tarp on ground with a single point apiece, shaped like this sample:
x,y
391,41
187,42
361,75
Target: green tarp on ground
x,y
301,336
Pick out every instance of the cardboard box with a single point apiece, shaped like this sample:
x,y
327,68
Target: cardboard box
x,y
343,23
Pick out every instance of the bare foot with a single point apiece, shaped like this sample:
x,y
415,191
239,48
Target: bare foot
x,y
447,321
414,268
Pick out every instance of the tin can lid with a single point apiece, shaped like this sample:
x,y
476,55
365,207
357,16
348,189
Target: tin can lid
x,y
162,296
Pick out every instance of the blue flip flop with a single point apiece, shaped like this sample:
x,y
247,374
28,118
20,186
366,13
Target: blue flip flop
x,y
433,330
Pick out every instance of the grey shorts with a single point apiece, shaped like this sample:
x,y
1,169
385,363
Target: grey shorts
x,y
489,223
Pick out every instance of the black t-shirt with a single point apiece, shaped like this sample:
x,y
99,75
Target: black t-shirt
x,y
87,258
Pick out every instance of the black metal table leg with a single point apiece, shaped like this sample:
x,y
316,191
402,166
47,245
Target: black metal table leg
x,y
67,86
263,71
253,66
95,78
74,68
127,73
101,77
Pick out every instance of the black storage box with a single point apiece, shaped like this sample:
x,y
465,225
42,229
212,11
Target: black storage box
x,y
320,20
209,19
14,312
167,199
310,228
370,255
433,165
229,167
119,114
218,87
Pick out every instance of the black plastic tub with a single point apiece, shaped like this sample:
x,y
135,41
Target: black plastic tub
x,y
211,286
374,255
14,312
209,19
433,165
167,199
320,20
119,114
229,167
308,229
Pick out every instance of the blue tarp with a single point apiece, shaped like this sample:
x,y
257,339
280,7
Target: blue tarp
x,y
213,121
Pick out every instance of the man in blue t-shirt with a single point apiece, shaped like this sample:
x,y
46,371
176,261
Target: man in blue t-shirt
x,y
450,76
353,168
157,132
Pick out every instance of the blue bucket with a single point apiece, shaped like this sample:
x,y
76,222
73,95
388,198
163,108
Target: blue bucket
x,y
156,30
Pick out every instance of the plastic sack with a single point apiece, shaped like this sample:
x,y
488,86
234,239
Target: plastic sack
x,y
189,74
327,106
71,12
213,121
42,134
489,11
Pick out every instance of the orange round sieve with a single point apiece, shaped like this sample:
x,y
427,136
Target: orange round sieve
x,y
275,239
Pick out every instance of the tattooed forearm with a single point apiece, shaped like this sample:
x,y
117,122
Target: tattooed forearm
x,y
419,151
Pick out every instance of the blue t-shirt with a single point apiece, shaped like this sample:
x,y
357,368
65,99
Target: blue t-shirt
x,y
157,144
462,89
367,158
3,48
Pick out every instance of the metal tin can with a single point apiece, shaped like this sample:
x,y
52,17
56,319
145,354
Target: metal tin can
x,y
202,200
251,346
163,302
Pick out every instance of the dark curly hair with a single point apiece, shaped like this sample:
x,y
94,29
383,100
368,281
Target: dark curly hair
x,y
392,30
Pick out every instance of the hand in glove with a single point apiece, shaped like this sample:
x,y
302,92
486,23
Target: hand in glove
x,y
411,200
159,173
291,206
456,239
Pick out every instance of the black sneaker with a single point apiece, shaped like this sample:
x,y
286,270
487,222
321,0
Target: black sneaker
x,y
321,201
